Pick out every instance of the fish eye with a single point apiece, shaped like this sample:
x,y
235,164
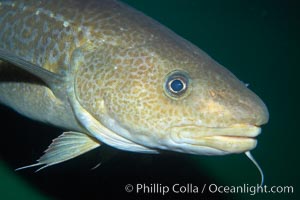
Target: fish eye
x,y
177,84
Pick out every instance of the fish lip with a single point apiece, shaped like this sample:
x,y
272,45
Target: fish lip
x,y
232,139
234,131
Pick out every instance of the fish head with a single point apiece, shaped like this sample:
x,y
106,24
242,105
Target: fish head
x,y
164,93
184,102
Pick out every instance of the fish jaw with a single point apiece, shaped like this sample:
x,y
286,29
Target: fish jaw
x,y
200,140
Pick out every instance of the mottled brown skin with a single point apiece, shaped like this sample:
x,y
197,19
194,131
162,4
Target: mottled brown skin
x,y
126,58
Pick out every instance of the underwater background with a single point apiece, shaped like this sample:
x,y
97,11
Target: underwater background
x,y
257,40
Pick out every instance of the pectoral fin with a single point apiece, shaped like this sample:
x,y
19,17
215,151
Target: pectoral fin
x,y
67,146
50,78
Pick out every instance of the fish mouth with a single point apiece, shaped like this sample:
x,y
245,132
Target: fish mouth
x,y
237,138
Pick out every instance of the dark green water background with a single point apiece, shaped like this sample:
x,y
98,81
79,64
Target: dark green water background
x,y
257,40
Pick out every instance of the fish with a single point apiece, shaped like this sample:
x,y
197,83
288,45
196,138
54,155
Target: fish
x,y
108,74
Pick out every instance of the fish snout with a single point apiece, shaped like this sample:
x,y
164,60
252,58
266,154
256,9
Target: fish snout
x,y
252,111
262,114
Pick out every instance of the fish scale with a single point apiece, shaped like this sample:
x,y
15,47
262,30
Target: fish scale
x,y
30,28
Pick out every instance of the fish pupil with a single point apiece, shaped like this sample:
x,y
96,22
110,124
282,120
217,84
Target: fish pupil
x,y
176,85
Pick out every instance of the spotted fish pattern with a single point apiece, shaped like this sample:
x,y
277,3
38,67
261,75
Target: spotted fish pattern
x,y
118,66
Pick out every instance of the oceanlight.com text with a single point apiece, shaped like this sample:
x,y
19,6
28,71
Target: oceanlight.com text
x,y
190,188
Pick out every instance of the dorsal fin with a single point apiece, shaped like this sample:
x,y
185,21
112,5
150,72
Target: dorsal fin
x,y
50,78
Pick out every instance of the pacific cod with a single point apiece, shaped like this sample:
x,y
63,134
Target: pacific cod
x,y
109,74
